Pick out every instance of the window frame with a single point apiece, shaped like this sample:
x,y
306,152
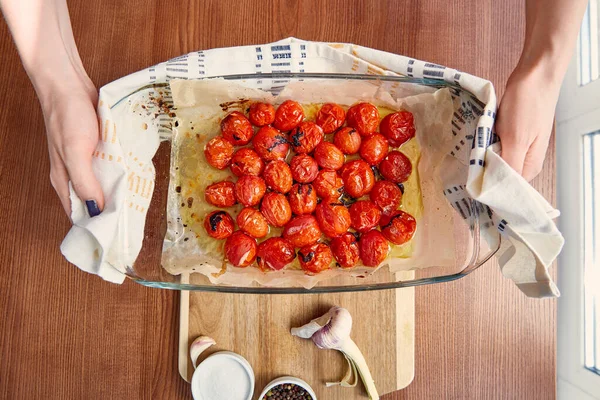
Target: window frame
x,y
578,113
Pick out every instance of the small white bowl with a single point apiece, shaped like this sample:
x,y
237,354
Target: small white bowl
x,y
223,376
288,379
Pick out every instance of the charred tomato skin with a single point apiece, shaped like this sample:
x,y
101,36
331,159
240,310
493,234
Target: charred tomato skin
x,y
315,258
247,162
236,128
219,224
305,137
278,176
221,194
364,215
270,144
348,140
374,148
276,209
374,248
333,219
399,227
358,178
395,167
249,190
302,231
330,117
345,250
302,198
304,168
240,249
387,195
329,156
275,253
218,152
364,117
328,184
288,115
261,114
252,222
398,127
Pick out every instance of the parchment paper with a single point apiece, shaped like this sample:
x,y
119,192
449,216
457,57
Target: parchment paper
x,y
198,104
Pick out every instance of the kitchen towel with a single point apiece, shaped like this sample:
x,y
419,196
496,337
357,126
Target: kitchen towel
x,y
108,244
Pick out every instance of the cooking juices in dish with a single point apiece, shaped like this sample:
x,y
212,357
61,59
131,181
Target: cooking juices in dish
x,y
314,186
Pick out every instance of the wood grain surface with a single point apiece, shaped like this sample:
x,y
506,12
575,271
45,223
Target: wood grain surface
x,y
67,335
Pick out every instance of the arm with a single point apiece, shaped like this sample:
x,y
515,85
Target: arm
x,y
526,113
44,38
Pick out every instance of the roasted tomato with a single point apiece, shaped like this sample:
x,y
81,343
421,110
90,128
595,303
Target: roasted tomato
x,y
304,168
315,258
278,176
398,127
221,194
373,247
328,184
246,162
237,129
218,152
334,219
399,227
240,249
275,253
249,190
302,231
386,195
276,209
363,117
261,114
270,144
329,156
302,198
345,250
330,117
288,115
347,140
374,148
364,215
395,167
305,137
252,222
358,178
218,224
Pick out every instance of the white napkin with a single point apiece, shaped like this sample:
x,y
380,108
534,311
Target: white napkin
x,y
108,244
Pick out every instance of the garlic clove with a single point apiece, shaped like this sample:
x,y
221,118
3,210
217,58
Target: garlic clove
x,y
307,330
335,331
200,344
329,330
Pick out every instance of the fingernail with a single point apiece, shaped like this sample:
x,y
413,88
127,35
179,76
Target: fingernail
x,y
92,207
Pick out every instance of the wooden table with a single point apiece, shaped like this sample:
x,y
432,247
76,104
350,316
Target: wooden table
x,y
65,334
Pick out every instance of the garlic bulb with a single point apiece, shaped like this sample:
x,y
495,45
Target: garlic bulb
x,y
332,331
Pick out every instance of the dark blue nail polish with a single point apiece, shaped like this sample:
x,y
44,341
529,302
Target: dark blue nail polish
x,y
92,207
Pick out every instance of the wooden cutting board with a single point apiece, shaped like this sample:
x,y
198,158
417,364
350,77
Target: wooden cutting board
x,y
258,328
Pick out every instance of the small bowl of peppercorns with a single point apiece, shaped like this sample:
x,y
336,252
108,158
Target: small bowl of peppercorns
x,y
287,387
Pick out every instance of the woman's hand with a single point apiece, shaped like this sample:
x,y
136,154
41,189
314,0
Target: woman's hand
x,y
525,120
526,113
44,38
73,133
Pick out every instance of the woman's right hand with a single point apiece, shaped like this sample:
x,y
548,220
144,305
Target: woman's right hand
x,y
44,38
73,133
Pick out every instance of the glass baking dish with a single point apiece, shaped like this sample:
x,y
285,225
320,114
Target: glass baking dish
x,y
469,219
